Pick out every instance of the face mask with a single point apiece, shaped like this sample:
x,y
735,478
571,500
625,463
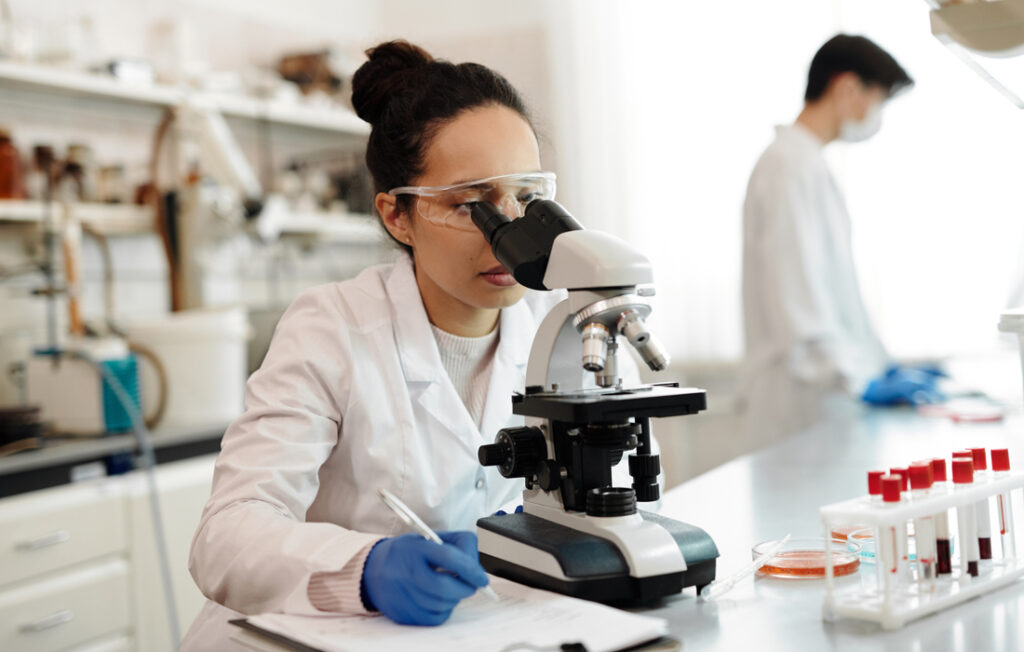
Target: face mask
x,y
854,131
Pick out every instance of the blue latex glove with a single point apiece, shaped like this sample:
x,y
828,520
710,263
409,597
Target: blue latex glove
x,y
414,581
905,385
501,512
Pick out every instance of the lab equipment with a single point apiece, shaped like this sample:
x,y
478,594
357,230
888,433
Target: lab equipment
x,y
1001,469
893,604
892,539
720,587
963,474
986,36
804,558
921,479
980,459
943,544
401,580
574,435
410,518
72,396
875,485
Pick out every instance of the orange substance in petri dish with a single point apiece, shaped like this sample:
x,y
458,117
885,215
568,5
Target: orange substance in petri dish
x,y
809,563
842,532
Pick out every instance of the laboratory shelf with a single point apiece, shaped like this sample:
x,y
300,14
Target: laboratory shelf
x,y
107,218
73,84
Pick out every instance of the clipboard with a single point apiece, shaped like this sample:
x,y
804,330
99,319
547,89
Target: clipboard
x,y
282,642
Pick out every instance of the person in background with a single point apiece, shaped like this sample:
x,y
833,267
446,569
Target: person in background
x,y
810,346
392,379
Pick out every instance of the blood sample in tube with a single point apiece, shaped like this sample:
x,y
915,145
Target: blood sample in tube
x,y
963,476
943,558
982,517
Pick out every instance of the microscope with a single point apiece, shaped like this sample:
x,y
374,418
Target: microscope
x,y
578,534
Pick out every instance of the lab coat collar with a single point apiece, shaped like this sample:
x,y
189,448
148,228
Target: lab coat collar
x,y
801,134
421,360
417,349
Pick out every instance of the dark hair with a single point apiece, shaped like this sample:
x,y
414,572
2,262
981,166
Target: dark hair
x,y
859,55
407,96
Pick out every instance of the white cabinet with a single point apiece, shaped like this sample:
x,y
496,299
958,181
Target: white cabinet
x,y
79,567
67,609
183,489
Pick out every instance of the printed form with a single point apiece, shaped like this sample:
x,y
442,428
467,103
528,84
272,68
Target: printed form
x,y
525,619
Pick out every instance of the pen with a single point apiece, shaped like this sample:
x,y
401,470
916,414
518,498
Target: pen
x,y
416,523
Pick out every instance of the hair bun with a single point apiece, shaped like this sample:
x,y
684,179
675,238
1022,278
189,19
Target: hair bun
x,y
383,74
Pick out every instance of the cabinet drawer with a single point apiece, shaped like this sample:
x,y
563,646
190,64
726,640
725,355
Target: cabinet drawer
x,y
67,609
54,528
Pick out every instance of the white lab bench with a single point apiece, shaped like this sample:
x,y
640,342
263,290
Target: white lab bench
x,y
778,490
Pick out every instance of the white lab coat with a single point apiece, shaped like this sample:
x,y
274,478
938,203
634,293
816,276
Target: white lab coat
x,y
810,346
352,396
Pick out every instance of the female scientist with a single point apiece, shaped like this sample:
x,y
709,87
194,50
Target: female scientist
x,y
392,379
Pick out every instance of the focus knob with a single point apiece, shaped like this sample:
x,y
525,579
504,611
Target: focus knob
x,y
515,451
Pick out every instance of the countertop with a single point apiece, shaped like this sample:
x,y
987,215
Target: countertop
x,y
778,490
61,458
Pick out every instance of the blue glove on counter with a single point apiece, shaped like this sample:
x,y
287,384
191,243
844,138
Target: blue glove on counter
x,y
404,577
905,385
501,512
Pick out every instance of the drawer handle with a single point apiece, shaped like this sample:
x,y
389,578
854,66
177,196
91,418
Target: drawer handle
x,y
52,539
54,620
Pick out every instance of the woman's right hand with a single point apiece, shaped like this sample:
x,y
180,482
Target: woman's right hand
x,y
414,581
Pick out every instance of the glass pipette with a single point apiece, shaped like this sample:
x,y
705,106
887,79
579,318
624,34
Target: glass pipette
x,y
715,590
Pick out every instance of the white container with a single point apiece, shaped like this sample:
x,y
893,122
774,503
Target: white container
x,y
1012,321
204,355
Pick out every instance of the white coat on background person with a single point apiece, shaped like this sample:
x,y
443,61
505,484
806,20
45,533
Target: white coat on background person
x,y
809,341
811,350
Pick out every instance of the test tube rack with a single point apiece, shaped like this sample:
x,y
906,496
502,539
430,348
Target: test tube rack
x,y
893,606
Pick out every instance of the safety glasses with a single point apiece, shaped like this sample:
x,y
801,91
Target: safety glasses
x,y
452,206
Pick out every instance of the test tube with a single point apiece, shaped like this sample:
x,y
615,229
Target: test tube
x,y
981,511
875,486
904,474
924,526
943,557
1001,469
963,476
892,539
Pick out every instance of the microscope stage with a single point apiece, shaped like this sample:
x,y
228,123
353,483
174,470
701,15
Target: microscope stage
x,y
608,405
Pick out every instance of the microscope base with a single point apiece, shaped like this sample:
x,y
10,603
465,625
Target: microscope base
x,y
520,546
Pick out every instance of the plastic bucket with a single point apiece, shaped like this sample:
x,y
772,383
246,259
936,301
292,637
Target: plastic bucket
x,y
1012,321
204,355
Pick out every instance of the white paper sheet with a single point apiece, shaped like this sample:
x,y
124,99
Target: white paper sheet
x,y
525,619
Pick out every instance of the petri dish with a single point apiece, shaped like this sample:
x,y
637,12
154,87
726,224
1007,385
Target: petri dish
x,y
843,532
805,558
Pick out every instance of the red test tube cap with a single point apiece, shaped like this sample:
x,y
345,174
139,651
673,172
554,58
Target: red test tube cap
x,y
921,475
875,482
963,470
980,459
1000,459
904,474
963,453
939,469
892,486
